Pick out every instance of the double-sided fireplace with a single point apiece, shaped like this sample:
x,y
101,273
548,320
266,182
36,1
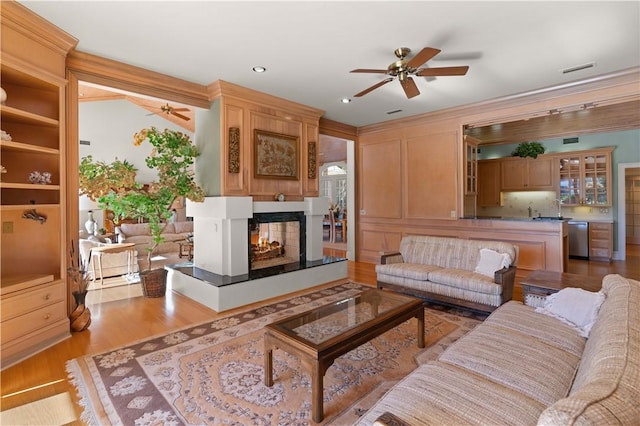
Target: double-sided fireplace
x,y
276,239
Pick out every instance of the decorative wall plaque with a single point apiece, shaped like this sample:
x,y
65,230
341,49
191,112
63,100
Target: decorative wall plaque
x,y
234,150
312,160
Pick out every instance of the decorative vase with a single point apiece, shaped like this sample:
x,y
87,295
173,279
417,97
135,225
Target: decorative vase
x,y
90,225
3,96
80,318
154,282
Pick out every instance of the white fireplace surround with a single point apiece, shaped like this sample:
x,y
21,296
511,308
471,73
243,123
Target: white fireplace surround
x,y
221,233
221,247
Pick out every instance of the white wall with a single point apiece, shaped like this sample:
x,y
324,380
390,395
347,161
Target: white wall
x,y
110,126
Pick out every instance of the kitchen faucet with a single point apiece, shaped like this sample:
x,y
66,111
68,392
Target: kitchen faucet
x,y
559,207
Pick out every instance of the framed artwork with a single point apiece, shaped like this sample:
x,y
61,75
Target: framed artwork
x,y
275,156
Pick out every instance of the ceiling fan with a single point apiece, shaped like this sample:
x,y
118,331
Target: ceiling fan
x,y
404,69
169,110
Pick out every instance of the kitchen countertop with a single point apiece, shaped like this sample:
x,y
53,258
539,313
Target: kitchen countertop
x,y
521,219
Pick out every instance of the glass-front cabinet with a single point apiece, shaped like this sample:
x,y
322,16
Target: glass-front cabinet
x,y
585,178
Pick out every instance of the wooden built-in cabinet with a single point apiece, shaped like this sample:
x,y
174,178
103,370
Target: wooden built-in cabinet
x,y
471,162
489,194
33,290
585,177
527,174
600,241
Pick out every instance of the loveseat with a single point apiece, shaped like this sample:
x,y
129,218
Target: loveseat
x,y
478,274
139,233
524,367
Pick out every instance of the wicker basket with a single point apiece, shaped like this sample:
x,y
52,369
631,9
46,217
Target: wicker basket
x,y
154,282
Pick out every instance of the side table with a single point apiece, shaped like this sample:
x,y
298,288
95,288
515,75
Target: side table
x,y
98,252
186,249
539,284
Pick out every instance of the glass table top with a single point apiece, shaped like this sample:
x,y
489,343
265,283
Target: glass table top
x,y
332,320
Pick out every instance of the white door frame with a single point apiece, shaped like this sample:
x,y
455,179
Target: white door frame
x,y
622,228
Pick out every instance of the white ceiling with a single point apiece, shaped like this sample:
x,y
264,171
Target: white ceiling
x,y
309,48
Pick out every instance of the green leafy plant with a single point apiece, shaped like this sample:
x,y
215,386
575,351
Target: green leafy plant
x,y
115,188
529,149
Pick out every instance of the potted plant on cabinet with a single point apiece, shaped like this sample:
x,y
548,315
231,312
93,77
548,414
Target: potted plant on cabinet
x,y
115,187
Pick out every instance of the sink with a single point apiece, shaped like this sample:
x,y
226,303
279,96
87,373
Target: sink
x,y
548,218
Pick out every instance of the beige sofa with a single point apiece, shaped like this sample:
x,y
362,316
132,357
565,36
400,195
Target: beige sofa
x,y
139,234
451,270
521,367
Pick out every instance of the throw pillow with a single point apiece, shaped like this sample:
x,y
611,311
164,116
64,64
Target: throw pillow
x,y
574,306
491,261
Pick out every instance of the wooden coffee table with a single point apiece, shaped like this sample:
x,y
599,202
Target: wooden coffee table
x,y
321,335
540,284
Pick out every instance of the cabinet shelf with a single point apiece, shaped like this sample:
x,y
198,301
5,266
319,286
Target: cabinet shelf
x,y
14,146
20,282
31,186
25,117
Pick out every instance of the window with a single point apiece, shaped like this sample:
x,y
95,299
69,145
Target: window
x,y
333,183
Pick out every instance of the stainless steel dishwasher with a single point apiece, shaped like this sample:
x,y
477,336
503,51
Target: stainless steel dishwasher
x,y
579,239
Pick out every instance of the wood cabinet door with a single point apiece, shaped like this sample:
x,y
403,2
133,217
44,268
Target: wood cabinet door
x,y
540,174
489,183
513,174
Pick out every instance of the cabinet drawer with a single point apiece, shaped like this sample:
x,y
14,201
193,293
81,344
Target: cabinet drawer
x,y
600,234
599,244
30,300
598,252
599,226
34,320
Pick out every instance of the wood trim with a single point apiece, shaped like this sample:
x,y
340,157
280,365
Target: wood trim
x,y
621,86
338,130
221,88
95,69
27,23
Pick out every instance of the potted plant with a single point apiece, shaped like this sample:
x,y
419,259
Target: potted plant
x,y
115,187
529,149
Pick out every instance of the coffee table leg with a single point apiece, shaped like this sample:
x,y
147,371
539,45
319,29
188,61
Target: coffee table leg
x,y
420,318
317,388
268,363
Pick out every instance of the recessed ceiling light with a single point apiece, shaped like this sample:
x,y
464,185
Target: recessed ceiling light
x,y
259,69
345,100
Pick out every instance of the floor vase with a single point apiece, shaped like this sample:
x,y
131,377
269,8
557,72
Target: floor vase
x,y
80,318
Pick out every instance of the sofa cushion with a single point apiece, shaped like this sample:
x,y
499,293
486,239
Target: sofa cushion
x,y
606,389
575,306
183,227
414,271
491,261
448,252
515,360
132,229
515,316
443,394
466,280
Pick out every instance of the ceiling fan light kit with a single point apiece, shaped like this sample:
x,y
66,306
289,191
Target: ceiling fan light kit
x,y
403,70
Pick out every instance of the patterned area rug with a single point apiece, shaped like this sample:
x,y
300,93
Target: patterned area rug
x,y
212,373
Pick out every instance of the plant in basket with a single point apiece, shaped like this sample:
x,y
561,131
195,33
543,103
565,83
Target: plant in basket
x,y
115,188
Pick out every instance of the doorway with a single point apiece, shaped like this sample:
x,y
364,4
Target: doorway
x,y
628,207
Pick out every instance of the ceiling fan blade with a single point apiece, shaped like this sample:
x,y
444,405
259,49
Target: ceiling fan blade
x,y
374,87
435,72
177,114
423,56
369,70
180,109
410,88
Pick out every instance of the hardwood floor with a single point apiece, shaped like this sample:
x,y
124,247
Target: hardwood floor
x,y
117,323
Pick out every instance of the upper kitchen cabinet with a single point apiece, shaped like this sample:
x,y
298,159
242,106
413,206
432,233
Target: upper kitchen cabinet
x,y
489,194
585,177
527,174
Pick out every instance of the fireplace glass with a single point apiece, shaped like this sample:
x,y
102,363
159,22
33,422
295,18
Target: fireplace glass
x,y
276,239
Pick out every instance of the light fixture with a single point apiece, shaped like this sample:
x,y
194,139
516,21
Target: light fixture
x,y
259,69
345,100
